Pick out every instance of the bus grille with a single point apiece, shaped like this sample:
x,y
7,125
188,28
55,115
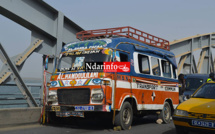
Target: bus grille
x,y
73,96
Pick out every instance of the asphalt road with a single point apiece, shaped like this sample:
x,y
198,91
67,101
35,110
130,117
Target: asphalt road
x,y
146,125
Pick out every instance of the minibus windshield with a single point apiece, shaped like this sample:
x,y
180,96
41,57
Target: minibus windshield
x,y
76,60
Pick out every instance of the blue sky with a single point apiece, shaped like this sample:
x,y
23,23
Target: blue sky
x,y
169,19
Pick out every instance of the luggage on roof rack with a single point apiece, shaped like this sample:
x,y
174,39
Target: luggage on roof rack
x,y
128,32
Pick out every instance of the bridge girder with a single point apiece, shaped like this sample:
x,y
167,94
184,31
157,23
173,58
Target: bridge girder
x,y
195,54
45,23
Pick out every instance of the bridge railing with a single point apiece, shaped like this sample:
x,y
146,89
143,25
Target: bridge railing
x,y
11,96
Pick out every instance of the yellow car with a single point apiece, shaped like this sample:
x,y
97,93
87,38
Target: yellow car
x,y
197,113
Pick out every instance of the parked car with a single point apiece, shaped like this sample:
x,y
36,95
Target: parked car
x,y
198,112
193,82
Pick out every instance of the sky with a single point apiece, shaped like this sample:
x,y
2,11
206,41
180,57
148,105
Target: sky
x,y
168,19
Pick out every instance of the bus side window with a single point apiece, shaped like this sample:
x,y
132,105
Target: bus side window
x,y
123,57
155,66
166,68
143,64
174,72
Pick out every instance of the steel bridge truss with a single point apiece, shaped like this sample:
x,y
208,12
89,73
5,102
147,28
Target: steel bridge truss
x,y
11,67
195,54
50,29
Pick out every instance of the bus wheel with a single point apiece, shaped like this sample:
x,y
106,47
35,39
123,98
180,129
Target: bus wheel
x,y
166,113
125,116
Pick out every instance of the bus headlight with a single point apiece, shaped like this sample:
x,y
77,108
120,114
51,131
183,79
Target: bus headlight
x,y
97,95
52,95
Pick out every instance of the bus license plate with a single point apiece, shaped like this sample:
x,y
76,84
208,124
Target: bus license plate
x,y
84,108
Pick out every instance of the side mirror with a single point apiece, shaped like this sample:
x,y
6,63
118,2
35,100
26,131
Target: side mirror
x,y
116,57
46,62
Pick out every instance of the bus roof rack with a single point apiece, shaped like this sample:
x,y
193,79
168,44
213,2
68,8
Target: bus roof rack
x,y
128,32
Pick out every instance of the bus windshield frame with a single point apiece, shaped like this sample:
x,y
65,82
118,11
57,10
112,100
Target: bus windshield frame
x,y
75,60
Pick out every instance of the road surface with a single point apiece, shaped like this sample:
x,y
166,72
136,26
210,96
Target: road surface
x,y
146,125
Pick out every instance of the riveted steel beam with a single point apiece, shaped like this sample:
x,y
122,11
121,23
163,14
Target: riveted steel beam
x,y
22,57
18,80
18,60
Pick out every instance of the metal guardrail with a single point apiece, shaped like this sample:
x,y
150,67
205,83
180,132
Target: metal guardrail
x,y
9,99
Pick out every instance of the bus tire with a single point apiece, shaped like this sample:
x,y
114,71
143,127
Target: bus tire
x,y
166,113
124,117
